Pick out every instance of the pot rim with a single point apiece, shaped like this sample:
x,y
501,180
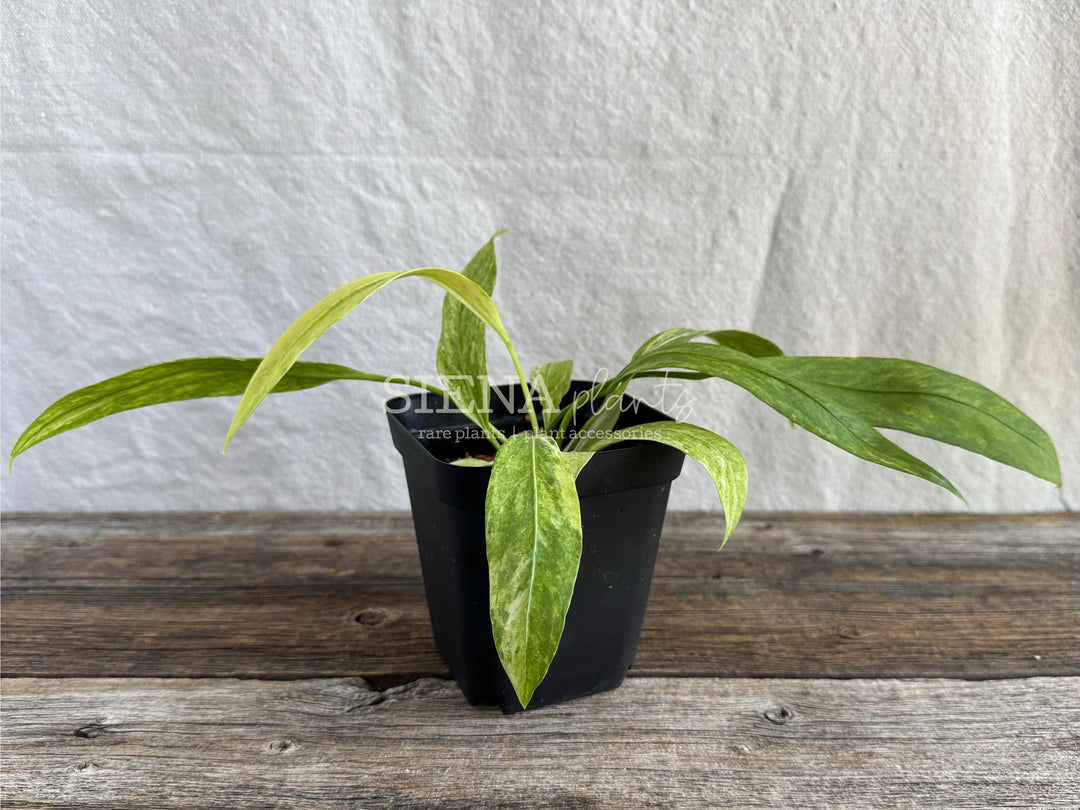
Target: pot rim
x,y
462,422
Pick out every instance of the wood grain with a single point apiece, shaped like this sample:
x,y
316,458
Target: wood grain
x,y
292,596
670,743
296,595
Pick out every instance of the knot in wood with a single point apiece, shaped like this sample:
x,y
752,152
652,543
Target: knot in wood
x,y
778,715
281,746
91,731
372,616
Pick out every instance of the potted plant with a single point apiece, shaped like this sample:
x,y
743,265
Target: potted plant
x,y
538,507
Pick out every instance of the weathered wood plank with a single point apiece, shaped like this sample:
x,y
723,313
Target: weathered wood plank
x,y
671,743
294,595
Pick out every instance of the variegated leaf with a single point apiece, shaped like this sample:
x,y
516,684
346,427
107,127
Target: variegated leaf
x,y
173,381
716,454
461,355
533,528
551,381
310,326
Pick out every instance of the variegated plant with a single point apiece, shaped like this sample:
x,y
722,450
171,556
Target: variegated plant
x,y
533,522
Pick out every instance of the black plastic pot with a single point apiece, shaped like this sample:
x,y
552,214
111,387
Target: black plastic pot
x,y
623,493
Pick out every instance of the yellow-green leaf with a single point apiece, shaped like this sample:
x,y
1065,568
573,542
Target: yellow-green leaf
x,y
577,459
716,454
926,401
469,461
668,337
461,355
306,329
745,342
777,386
533,527
173,381
551,381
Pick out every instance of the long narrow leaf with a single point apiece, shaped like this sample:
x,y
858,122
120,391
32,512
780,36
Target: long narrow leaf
x,y
606,416
173,381
926,401
533,527
306,329
745,342
667,338
802,404
717,455
551,381
461,356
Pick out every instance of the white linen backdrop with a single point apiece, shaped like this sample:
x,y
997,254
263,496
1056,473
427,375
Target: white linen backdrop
x,y
181,179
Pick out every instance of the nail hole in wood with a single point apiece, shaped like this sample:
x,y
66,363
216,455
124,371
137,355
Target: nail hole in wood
x,y
778,715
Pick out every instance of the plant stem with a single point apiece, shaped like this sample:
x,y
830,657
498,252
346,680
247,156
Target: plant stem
x,y
566,416
602,390
417,383
524,386
495,440
576,444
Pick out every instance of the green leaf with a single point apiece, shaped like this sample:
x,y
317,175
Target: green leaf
x,y
926,401
745,342
461,356
667,338
605,417
551,381
803,404
533,527
174,381
715,453
306,329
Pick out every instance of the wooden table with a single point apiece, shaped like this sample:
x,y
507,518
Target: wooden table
x,y
285,660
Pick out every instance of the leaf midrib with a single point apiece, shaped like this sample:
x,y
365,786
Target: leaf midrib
x,y
876,453
319,320
945,397
77,408
535,544
912,464
459,311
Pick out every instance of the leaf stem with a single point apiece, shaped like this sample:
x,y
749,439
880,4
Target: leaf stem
x,y
600,391
577,444
417,383
565,416
524,385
